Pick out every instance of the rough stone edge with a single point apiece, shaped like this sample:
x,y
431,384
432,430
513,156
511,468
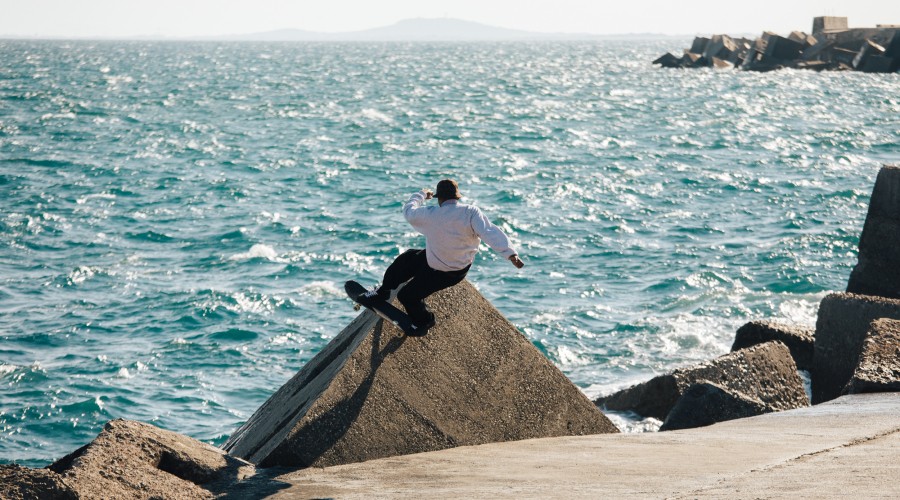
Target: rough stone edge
x,y
800,340
877,370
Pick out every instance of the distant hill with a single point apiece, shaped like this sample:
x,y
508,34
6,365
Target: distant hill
x,y
425,30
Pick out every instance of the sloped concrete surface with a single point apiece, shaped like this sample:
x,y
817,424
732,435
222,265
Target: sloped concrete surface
x,y
371,393
847,448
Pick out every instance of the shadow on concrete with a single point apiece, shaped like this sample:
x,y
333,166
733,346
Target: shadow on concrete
x,y
261,485
321,434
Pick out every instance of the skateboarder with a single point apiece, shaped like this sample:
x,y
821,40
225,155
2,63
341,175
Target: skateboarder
x,y
452,232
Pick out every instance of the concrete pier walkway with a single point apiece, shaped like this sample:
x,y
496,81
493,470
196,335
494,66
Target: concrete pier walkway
x,y
847,448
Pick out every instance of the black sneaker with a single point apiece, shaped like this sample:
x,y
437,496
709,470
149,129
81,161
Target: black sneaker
x,y
372,296
421,330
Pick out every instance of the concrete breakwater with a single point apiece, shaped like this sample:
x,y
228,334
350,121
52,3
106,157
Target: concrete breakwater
x,y
852,349
832,46
372,395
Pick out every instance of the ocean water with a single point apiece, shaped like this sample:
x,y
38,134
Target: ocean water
x,y
178,218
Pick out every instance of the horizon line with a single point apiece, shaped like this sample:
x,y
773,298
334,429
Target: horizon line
x,y
524,36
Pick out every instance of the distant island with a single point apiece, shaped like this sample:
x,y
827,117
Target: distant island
x,y
425,30
407,30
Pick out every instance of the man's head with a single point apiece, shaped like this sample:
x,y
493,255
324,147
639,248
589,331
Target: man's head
x,y
447,189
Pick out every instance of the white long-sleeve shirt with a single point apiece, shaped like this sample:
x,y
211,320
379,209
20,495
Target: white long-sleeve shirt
x,y
452,232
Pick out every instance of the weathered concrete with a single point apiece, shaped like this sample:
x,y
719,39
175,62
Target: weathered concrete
x,y
877,271
892,50
878,64
22,483
878,368
706,403
829,23
136,460
668,60
868,49
692,60
817,51
862,49
369,394
841,328
783,49
843,56
765,371
720,47
798,339
845,447
721,63
699,45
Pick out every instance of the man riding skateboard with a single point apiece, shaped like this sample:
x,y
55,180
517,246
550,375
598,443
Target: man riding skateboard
x,y
452,233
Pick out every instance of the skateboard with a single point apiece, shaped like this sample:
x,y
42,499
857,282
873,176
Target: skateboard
x,y
383,309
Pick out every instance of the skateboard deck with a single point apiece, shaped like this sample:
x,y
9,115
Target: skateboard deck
x,y
382,308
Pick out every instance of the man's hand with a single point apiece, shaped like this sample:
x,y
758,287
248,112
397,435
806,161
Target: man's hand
x,y
516,261
428,194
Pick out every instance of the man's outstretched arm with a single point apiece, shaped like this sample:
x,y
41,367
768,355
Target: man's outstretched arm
x,y
495,238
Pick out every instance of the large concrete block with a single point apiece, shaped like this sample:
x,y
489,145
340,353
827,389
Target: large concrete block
x,y
892,48
784,49
706,403
878,368
802,38
843,56
766,372
829,24
369,394
820,51
878,64
866,52
720,47
668,60
22,483
798,339
692,60
877,271
699,45
843,321
855,38
136,460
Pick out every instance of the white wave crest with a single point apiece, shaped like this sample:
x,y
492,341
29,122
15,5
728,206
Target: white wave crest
x,y
258,251
374,114
629,422
81,274
321,289
100,196
239,302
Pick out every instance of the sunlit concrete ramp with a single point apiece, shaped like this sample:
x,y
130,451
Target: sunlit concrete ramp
x,y
370,393
846,448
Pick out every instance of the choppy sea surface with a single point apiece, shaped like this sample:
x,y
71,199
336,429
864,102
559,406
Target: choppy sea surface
x,y
176,219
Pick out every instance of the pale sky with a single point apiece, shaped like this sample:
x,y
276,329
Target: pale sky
x,y
179,18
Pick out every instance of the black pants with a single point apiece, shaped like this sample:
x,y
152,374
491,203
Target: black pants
x,y
412,266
